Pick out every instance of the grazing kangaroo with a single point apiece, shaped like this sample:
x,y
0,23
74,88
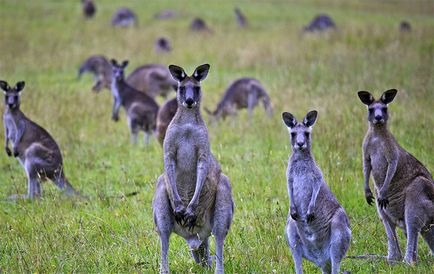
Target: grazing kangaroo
x,y
141,109
198,24
242,93
101,69
164,117
36,150
405,26
162,45
403,186
193,198
318,228
241,19
89,8
124,17
320,23
152,79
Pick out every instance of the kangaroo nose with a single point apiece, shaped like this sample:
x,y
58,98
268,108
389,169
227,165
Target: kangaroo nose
x,y
300,144
189,102
378,117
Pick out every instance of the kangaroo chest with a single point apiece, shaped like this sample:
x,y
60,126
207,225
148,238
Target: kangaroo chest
x,y
11,126
377,156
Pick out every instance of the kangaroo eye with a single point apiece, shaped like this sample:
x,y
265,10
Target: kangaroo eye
x,y
293,134
182,90
384,109
306,134
371,110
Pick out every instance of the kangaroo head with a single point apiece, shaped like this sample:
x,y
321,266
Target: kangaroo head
x,y
12,94
377,109
300,132
189,91
118,69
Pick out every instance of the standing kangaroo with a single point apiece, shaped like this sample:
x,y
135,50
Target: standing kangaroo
x,y
318,228
403,186
36,150
101,69
193,198
164,117
152,79
141,109
242,93
89,8
241,19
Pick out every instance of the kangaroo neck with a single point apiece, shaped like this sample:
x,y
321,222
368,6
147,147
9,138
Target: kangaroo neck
x,y
379,129
188,115
300,155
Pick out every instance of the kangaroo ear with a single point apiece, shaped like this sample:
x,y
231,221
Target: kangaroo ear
x,y
114,62
4,85
177,73
366,97
19,86
124,64
388,96
201,72
310,118
289,119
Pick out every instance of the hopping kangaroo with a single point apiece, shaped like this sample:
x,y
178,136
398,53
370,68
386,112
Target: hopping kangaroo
x,y
141,109
318,227
36,150
403,186
242,93
101,69
193,198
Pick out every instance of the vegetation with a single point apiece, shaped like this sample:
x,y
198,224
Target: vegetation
x,y
44,42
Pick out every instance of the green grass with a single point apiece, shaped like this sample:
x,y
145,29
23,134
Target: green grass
x,y
44,42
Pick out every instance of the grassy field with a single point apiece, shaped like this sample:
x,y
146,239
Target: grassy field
x,y
44,42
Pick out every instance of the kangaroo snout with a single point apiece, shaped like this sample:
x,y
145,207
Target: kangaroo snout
x,y
189,102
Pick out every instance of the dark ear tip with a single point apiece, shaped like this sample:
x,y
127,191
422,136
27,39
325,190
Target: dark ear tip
x,y
284,114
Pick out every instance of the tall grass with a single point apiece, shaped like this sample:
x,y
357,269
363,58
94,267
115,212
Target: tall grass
x,y
44,42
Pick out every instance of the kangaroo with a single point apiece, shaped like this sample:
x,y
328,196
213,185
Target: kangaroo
x,y
152,79
198,24
318,228
241,19
193,198
162,45
34,147
320,23
124,17
140,108
405,26
242,93
403,186
101,69
164,117
89,8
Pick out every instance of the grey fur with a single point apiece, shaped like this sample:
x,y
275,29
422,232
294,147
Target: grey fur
x,y
403,186
162,45
164,117
89,8
242,93
34,147
318,228
193,197
153,80
101,69
241,19
124,17
140,108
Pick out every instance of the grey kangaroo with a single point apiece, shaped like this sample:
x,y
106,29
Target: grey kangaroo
x,y
193,198
101,69
164,117
152,79
34,147
403,186
241,19
318,228
242,93
141,109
